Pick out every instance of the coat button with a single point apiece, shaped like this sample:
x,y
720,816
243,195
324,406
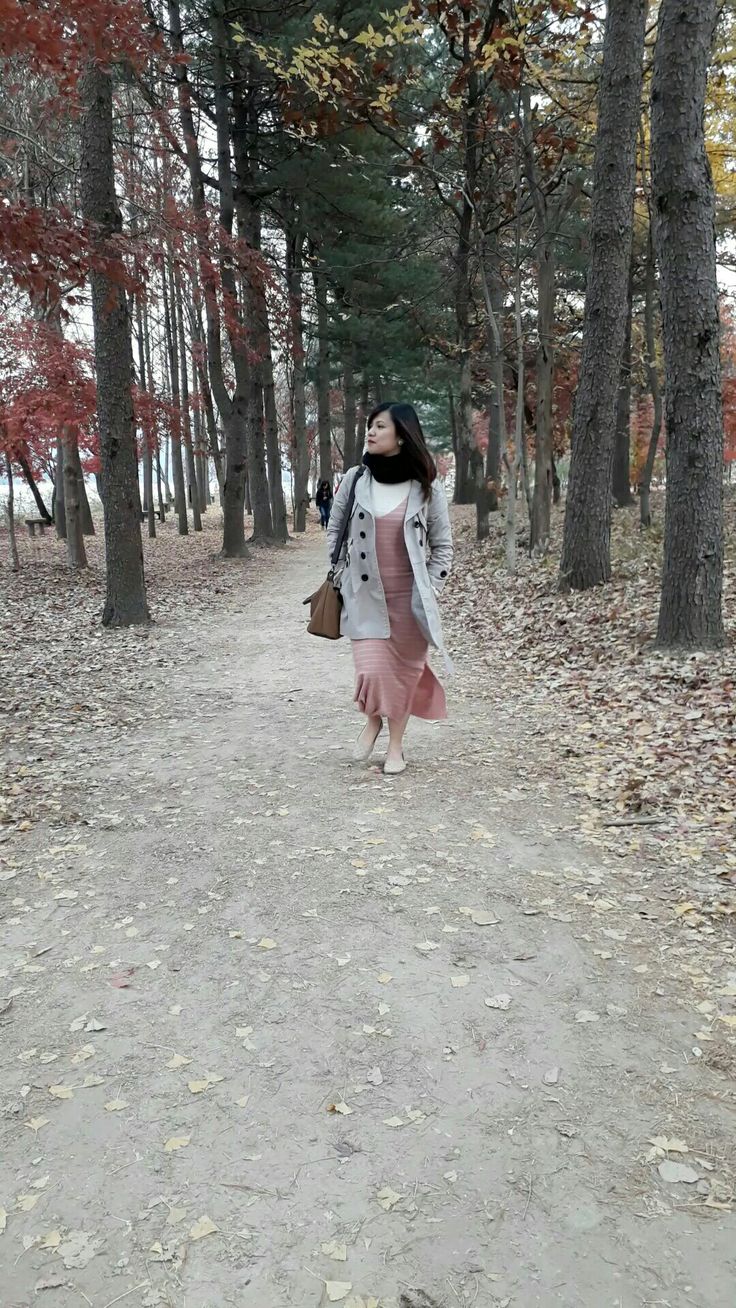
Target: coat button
x,y
361,515
443,573
363,534
362,556
365,576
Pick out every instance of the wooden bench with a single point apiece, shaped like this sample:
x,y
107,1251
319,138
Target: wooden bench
x,y
41,523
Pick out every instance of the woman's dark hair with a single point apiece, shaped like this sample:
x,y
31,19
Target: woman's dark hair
x,y
409,430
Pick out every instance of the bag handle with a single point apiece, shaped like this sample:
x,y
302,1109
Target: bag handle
x,y
343,534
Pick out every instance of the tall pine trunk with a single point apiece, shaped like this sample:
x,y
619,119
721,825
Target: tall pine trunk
x,y
300,444
186,418
10,509
586,550
690,615
125,602
323,376
650,291
621,483
172,341
349,458
542,499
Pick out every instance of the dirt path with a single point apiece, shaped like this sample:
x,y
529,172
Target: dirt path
x,y
320,944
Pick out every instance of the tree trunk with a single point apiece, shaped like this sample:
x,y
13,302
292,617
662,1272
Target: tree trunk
x,y
125,602
300,444
185,410
59,504
25,468
645,485
494,453
10,508
586,551
172,342
323,377
542,500
75,551
622,496
144,370
690,615
349,454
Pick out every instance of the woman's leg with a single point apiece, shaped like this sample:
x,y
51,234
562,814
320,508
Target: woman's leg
x,y
396,729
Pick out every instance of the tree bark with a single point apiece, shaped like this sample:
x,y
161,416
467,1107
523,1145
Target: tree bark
x,y
542,499
349,455
172,342
621,484
650,288
323,376
300,444
75,551
59,505
185,410
690,615
125,602
586,550
25,468
10,509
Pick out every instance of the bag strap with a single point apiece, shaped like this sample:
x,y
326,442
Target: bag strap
x,y
351,501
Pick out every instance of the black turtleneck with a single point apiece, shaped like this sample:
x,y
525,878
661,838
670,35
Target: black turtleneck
x,y
390,468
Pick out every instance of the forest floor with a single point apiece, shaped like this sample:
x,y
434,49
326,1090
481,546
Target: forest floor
x,y
277,1030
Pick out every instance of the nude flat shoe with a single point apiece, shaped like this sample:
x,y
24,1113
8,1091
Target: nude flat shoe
x,y
362,751
394,769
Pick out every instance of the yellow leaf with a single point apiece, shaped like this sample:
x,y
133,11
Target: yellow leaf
x,y
333,1249
337,1290
197,1087
388,1198
459,981
27,1201
340,1107
51,1241
205,1226
35,1123
730,1019
3,1219
177,1142
61,1091
178,1061
384,978
115,1105
684,908
175,1216
266,943
90,1081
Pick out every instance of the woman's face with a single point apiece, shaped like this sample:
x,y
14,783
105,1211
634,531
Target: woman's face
x,y
382,438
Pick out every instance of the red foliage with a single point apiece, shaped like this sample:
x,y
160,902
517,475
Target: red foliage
x,y
47,392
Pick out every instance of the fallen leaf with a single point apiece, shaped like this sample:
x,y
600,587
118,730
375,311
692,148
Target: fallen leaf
x,y
337,1290
243,1101
333,1249
384,978
178,1061
51,1241
78,1248
393,1121
669,1146
480,918
426,946
677,1172
266,943
375,1076
339,1107
388,1198
552,1076
90,1081
175,1216
587,1015
205,1226
35,1123
27,1201
499,1001
459,981
115,1105
61,1091
3,1219
176,1142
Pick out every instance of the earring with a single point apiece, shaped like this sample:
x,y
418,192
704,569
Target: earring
x,y
399,443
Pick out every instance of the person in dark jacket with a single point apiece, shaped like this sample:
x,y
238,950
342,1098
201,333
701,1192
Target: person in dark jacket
x,y
323,500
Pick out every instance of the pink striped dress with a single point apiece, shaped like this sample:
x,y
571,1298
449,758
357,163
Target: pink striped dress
x,y
392,677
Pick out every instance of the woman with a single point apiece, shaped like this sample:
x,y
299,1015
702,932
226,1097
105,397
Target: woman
x,y
323,500
397,559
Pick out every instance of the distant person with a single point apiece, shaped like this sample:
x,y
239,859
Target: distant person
x,y
397,558
323,500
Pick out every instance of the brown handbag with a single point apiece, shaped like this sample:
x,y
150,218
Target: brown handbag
x,y
326,603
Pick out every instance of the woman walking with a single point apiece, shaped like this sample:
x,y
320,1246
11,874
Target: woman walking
x,y
323,500
397,558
